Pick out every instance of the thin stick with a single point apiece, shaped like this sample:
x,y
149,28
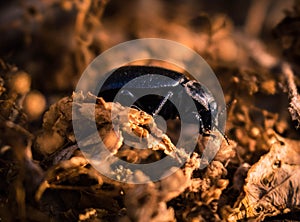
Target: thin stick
x,y
266,60
256,17
294,98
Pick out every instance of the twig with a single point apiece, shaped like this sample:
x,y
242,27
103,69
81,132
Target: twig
x,y
256,17
266,60
257,51
294,98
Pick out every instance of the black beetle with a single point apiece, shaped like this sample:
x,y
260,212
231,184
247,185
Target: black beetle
x,y
153,104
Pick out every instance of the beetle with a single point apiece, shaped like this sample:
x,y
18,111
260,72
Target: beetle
x,y
206,113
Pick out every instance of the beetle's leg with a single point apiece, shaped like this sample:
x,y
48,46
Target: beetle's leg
x,y
162,103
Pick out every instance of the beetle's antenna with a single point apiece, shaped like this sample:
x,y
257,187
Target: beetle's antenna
x,y
229,105
224,136
163,102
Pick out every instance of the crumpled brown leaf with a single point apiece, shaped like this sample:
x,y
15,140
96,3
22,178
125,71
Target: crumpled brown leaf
x,y
272,185
130,124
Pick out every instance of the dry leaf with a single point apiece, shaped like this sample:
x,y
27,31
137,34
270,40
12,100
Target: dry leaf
x,y
272,184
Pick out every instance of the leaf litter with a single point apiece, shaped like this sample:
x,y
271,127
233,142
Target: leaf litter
x,y
46,177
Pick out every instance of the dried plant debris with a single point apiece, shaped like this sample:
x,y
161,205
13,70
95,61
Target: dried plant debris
x,y
129,123
288,33
45,175
2,88
39,32
68,175
272,184
294,97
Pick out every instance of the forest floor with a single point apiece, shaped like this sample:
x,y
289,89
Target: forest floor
x,y
253,47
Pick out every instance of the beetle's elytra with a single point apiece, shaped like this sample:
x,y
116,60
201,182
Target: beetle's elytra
x,y
174,87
